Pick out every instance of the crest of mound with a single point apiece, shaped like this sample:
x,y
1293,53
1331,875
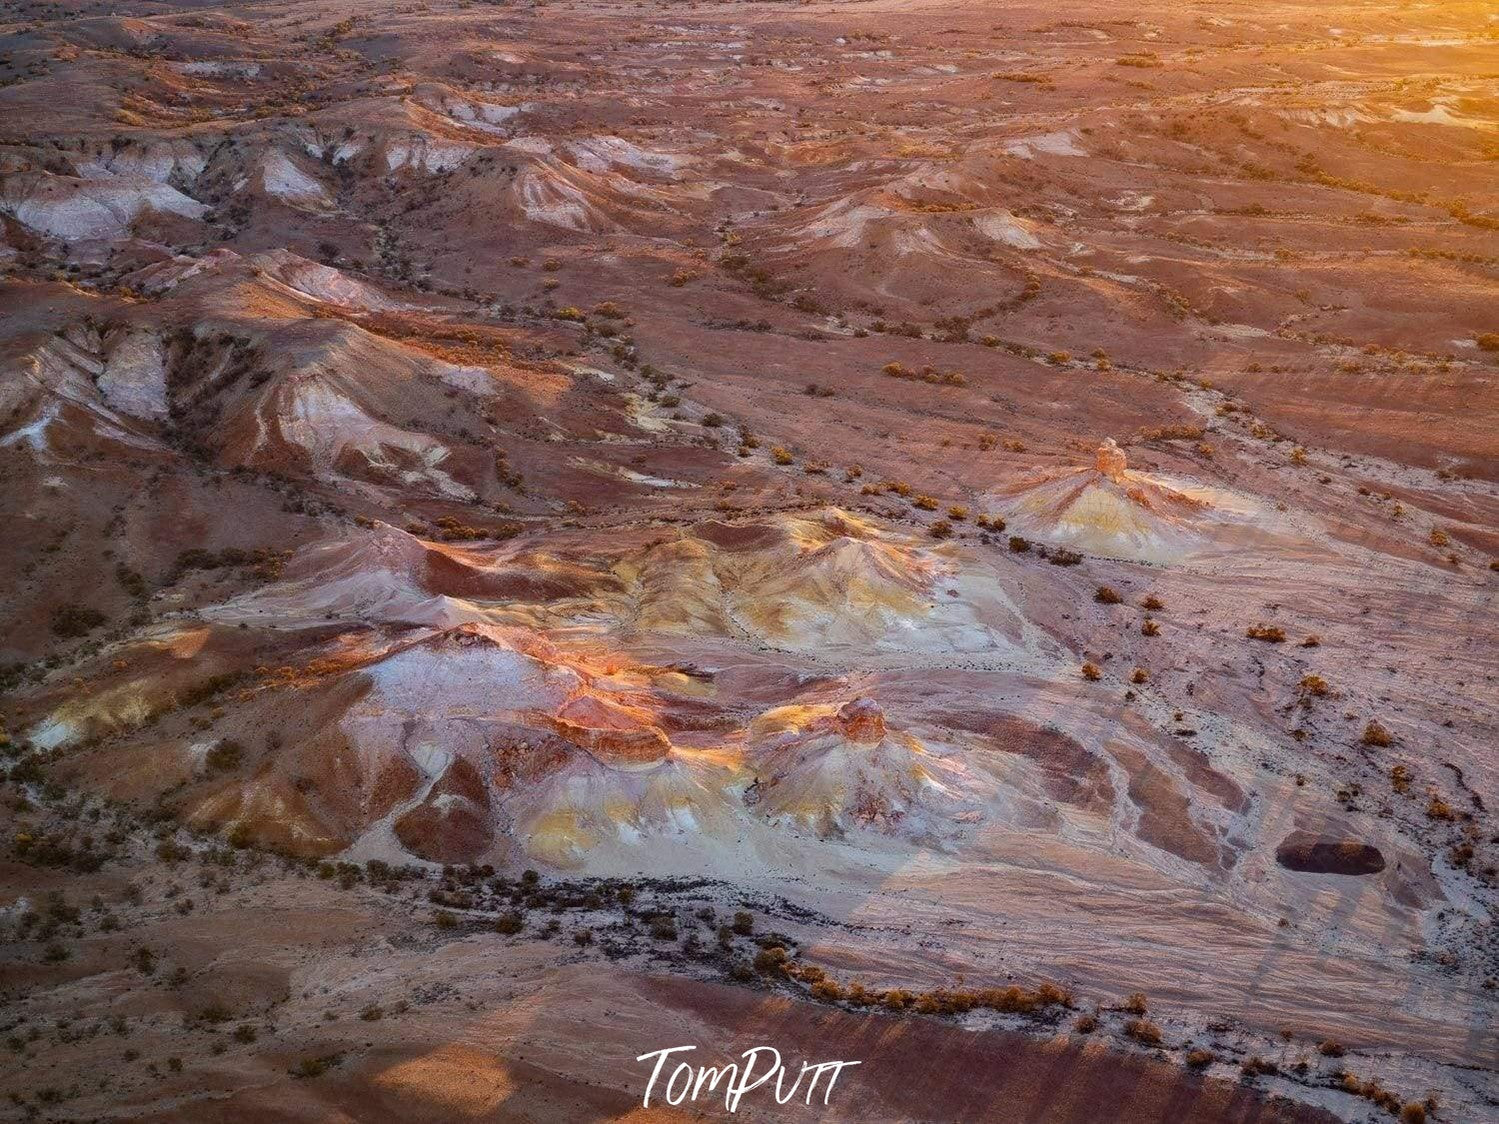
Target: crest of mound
x,y
288,274
834,769
793,581
471,670
387,575
591,814
83,210
835,580
1112,510
932,218
509,744
807,582
323,408
452,743
461,111
84,386
616,734
531,754
384,574
288,180
597,196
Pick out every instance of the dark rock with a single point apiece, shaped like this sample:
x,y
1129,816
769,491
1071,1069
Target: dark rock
x,y
1318,854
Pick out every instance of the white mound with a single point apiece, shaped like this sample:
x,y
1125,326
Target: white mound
x,y
76,210
838,770
282,178
1114,511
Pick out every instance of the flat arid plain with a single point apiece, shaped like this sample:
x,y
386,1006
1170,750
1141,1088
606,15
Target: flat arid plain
x,y
955,536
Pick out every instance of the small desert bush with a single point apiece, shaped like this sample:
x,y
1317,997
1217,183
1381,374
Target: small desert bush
x,y
1107,595
1091,672
1149,627
1269,633
771,961
1439,809
827,990
1376,735
314,1066
664,929
1144,1032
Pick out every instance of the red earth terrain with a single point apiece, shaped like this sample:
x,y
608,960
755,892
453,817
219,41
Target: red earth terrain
x,y
956,535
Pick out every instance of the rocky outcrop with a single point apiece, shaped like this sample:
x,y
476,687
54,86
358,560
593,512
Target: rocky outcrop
x,y
1111,461
444,832
614,734
452,824
1319,854
862,721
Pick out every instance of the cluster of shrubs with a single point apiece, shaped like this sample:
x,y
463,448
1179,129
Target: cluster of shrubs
x,y
1013,1000
65,849
927,374
1413,1112
72,621
451,529
267,563
506,475
1057,556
